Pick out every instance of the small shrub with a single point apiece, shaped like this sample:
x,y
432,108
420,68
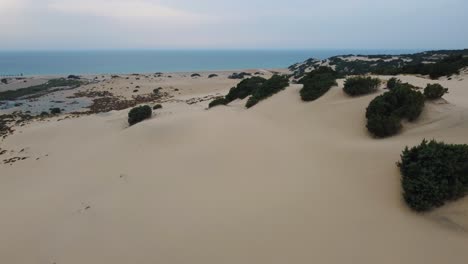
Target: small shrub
x,y
392,82
385,112
317,83
4,81
75,77
195,75
434,91
158,106
241,75
217,101
270,87
355,86
139,114
55,111
433,173
212,76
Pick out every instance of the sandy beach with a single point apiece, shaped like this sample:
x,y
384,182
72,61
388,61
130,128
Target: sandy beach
x,y
283,182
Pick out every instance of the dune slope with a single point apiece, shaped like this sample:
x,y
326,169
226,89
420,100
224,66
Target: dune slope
x,y
283,182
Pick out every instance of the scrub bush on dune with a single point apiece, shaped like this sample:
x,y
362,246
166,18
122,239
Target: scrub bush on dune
x,y
385,112
139,114
433,173
434,91
355,86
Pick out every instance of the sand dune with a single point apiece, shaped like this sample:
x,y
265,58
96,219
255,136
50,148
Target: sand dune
x,y
283,182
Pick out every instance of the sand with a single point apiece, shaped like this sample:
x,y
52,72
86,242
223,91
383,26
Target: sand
x,y
283,182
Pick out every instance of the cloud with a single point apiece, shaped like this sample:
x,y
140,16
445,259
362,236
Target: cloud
x,y
128,10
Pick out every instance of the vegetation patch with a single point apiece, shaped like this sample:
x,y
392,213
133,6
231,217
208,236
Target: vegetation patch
x,y
434,91
139,114
392,83
386,111
433,63
317,83
245,88
446,67
355,86
270,87
218,101
433,173
39,90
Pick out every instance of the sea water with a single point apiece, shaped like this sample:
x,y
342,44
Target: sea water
x,y
147,61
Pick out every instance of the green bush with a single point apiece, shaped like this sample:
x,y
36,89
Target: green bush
x,y
433,173
270,87
434,91
383,126
386,111
157,106
244,88
217,101
392,82
317,83
355,86
139,114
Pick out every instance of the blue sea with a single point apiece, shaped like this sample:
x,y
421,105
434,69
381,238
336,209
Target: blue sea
x,y
147,61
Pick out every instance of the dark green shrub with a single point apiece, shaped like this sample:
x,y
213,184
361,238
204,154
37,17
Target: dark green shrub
x,y
157,106
217,101
75,77
385,112
446,67
392,82
360,85
433,173
270,87
245,88
139,114
434,91
383,126
4,81
317,83
55,111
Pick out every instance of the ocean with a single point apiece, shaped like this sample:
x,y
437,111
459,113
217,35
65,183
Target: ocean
x,y
147,61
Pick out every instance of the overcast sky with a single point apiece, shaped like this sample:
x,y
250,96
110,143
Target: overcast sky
x,y
291,24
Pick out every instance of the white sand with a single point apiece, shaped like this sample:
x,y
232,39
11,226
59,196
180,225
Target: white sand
x,y
283,182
